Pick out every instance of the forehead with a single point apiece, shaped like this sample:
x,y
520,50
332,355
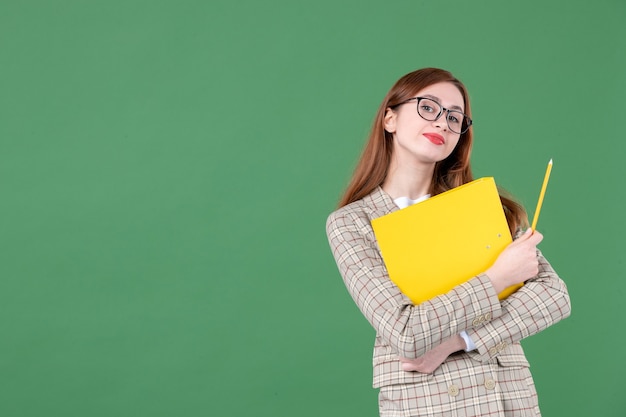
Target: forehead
x,y
447,94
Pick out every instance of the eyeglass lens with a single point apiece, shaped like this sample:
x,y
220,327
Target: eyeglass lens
x,y
431,110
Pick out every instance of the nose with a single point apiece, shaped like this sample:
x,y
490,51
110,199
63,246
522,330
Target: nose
x,y
440,121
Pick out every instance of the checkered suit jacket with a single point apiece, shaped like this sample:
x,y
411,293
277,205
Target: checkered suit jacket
x,y
407,330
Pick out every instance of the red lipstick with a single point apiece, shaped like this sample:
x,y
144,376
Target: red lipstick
x,y
435,138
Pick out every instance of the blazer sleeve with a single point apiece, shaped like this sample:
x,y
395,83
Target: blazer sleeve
x,y
411,330
540,303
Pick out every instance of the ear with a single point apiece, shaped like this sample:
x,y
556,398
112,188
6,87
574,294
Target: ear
x,y
389,121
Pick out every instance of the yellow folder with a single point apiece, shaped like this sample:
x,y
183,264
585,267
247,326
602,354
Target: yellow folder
x,y
435,245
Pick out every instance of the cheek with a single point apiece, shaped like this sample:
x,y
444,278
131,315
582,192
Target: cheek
x,y
452,144
454,141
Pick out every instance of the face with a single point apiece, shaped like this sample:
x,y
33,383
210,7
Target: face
x,y
419,141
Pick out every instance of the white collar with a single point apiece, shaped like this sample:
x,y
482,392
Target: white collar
x,y
403,202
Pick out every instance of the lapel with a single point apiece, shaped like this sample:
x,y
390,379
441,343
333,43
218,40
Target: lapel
x,y
380,202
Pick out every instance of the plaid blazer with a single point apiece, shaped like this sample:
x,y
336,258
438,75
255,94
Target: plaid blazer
x,y
407,330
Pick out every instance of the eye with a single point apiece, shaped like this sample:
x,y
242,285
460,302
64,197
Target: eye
x,y
453,119
427,108
456,118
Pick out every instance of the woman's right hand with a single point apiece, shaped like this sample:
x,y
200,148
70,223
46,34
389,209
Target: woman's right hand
x,y
517,263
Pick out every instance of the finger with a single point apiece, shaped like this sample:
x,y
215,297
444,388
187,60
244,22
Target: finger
x,y
536,238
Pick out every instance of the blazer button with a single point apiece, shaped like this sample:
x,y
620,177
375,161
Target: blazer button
x,y
490,383
453,390
476,322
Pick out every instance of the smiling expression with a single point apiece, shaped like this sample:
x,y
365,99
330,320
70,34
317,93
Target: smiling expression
x,y
420,141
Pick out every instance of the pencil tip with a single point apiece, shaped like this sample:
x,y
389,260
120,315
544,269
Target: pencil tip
x,y
550,161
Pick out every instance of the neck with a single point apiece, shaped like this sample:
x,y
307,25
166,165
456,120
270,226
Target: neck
x,y
412,181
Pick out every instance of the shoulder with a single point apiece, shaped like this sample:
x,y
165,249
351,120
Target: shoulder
x,y
360,213
354,216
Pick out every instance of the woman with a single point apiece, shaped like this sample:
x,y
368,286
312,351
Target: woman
x,y
458,353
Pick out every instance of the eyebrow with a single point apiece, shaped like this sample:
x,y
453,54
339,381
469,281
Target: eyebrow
x,y
439,101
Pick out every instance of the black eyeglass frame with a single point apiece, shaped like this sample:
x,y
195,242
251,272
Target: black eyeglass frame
x,y
441,110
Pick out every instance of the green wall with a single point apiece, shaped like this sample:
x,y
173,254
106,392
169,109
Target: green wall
x,y
166,169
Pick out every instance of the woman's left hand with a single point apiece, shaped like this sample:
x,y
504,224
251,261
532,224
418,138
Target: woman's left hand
x,y
431,360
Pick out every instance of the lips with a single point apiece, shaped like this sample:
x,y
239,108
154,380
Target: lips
x,y
435,138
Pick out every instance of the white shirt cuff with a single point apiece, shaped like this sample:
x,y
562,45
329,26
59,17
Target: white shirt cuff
x,y
469,343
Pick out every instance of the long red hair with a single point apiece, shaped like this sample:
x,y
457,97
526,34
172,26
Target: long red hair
x,y
449,173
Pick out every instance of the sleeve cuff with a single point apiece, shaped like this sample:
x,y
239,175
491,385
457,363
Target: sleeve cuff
x,y
469,343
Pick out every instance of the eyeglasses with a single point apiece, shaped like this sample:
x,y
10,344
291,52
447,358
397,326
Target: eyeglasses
x,y
429,109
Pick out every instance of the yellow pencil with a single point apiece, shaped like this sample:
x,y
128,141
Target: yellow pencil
x,y
543,191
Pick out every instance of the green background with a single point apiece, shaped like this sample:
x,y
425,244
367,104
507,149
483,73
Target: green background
x,y
166,169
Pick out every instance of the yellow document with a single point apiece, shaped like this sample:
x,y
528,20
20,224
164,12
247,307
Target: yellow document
x,y
435,245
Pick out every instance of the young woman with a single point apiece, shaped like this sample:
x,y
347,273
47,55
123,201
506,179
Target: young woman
x,y
458,353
